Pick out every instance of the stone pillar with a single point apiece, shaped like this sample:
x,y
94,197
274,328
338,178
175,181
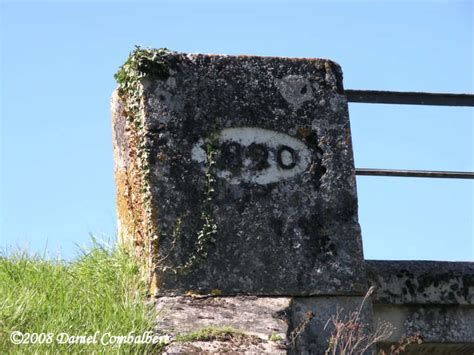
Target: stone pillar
x,y
235,175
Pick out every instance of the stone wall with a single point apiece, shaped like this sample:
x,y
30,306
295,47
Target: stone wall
x,y
236,188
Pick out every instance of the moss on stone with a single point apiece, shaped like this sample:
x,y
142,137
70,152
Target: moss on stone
x,y
144,62
210,334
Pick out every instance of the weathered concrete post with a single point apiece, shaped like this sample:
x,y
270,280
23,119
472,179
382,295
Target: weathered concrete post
x,y
235,176
240,170
236,188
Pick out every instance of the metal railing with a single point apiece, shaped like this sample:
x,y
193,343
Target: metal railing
x,y
411,98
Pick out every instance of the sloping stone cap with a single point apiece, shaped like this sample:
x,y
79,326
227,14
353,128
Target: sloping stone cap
x,y
173,61
421,282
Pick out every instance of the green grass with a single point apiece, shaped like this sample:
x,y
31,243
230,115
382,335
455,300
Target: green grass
x,y
275,337
100,291
209,334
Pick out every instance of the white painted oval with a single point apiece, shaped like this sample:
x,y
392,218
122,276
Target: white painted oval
x,y
276,171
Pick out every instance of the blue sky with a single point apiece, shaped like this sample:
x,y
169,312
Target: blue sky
x,y
57,64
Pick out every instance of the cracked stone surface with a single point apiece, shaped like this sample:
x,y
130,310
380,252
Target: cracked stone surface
x,y
256,317
284,201
300,324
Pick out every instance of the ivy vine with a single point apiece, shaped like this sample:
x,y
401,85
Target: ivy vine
x,y
206,234
141,64
154,64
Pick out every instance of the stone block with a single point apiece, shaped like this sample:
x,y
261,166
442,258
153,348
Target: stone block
x,y
421,282
444,329
235,174
312,326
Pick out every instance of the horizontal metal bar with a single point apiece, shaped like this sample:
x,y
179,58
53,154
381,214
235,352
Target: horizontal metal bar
x,y
416,173
409,98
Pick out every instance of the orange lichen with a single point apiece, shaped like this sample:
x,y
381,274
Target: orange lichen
x,y
304,131
130,181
